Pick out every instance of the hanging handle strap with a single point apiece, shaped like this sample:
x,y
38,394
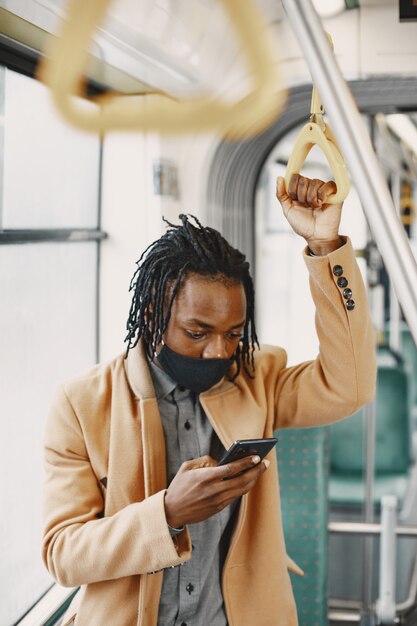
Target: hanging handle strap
x,y
312,135
318,133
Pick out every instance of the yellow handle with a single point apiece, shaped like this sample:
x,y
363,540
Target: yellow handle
x,y
316,132
312,134
63,70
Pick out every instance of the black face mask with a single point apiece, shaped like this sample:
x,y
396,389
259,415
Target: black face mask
x,y
195,374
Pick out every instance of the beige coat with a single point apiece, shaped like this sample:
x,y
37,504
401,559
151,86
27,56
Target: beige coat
x,y
110,536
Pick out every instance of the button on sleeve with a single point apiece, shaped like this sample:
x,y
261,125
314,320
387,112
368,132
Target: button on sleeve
x,y
342,282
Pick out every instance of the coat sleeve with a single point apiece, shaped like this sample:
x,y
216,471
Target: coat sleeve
x,y
81,546
342,378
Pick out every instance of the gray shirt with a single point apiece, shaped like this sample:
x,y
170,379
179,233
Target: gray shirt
x,y
191,594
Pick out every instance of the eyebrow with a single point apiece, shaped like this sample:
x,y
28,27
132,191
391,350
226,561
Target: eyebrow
x,y
198,322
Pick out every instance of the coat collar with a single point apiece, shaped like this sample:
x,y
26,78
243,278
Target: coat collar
x,y
162,382
234,412
230,406
138,374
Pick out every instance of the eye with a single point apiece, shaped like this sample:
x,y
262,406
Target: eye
x,y
235,336
195,335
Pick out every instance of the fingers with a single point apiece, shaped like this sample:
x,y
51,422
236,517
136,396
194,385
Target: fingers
x,y
298,188
236,467
199,490
327,190
293,186
310,192
199,463
238,485
211,472
313,198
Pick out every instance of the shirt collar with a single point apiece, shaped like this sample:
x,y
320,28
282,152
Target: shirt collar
x,y
163,383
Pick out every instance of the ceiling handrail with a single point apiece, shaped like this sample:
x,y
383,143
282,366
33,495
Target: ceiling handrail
x,y
64,64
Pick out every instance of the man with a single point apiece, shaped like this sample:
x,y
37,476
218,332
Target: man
x,y
137,511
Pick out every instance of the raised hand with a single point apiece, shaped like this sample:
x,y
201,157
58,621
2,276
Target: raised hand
x,y
304,205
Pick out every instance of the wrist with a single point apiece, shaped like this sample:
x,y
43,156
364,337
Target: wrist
x,y
322,247
172,521
175,531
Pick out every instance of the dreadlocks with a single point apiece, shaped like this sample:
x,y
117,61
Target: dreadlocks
x,y
163,266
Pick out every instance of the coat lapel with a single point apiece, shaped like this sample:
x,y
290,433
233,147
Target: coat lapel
x,y
233,412
125,470
153,460
152,434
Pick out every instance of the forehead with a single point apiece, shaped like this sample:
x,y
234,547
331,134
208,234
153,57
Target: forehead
x,y
210,300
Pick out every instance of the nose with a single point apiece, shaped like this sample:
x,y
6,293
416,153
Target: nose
x,y
215,349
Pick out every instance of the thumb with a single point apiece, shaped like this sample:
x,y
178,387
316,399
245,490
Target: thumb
x,y
282,195
281,190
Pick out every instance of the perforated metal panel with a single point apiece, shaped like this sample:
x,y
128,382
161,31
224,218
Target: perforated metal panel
x,y
303,469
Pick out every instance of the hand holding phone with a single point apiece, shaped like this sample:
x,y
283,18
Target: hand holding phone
x,y
201,488
248,447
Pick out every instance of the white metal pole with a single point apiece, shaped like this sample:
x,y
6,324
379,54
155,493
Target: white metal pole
x,y
385,606
369,417
395,311
359,155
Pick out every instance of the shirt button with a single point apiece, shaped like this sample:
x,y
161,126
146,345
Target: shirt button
x,y
347,293
342,282
189,588
338,270
187,425
350,305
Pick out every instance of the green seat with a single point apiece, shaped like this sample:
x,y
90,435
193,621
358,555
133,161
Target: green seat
x,y
409,355
343,491
393,444
303,470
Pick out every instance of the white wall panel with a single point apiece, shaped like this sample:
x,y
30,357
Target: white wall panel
x,y
387,45
47,317
131,216
51,170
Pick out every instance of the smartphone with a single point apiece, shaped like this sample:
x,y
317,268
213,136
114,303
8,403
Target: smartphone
x,y
248,447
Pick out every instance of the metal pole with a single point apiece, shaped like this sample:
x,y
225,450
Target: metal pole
x,y
395,311
354,142
361,528
388,561
369,418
